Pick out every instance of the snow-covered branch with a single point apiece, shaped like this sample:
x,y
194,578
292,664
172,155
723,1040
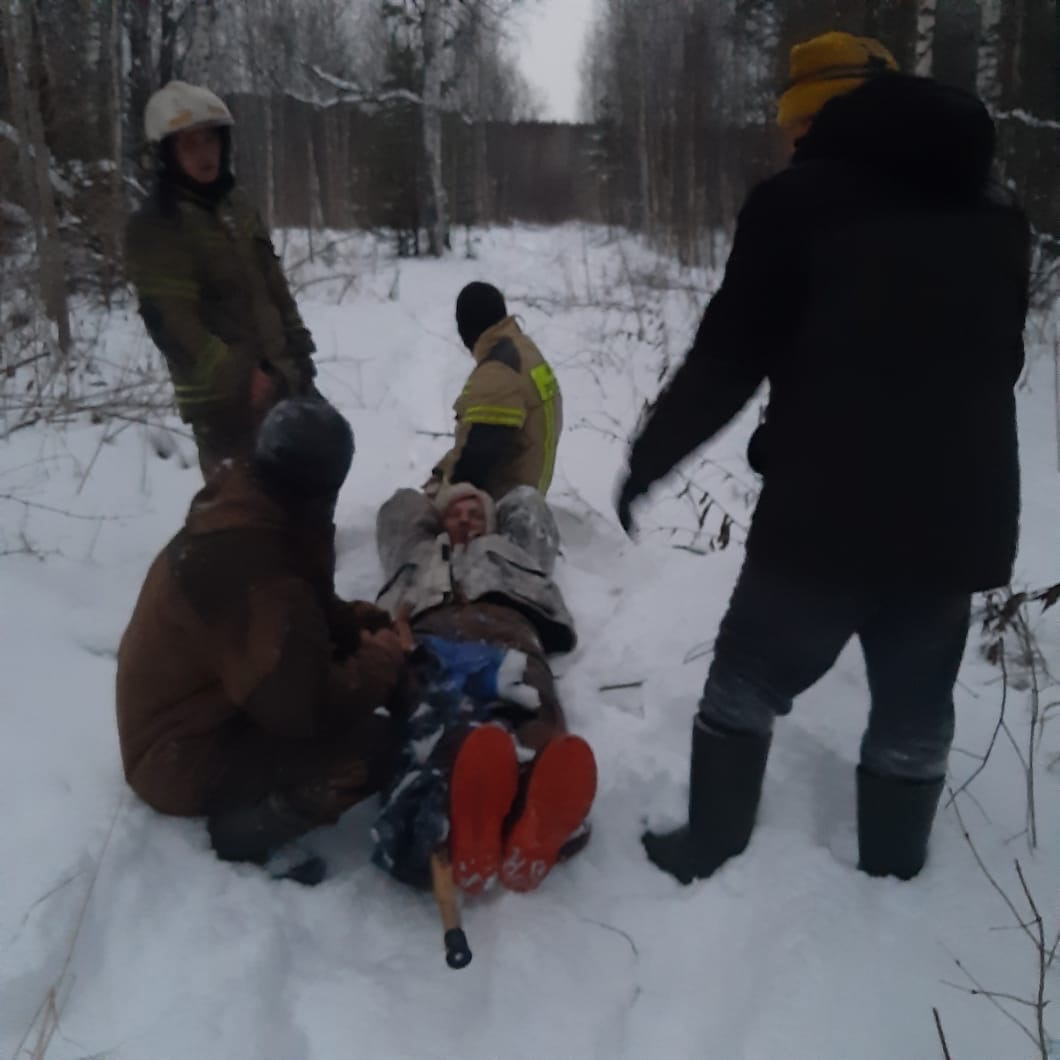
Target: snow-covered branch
x,y
1024,118
351,92
59,185
14,214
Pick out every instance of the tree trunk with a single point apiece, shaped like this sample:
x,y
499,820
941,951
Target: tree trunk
x,y
437,200
895,23
643,160
115,222
269,204
1012,30
167,47
956,51
138,15
36,158
989,83
481,210
1038,59
197,64
313,189
925,37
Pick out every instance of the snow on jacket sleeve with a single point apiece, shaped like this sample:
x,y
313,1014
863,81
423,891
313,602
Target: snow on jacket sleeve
x,y
525,518
404,522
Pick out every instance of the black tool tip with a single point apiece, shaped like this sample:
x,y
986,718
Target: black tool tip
x,y
457,951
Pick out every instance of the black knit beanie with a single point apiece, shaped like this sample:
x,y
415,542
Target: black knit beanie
x,y
478,306
304,448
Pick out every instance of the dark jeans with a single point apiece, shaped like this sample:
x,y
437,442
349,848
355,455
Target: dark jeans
x,y
781,634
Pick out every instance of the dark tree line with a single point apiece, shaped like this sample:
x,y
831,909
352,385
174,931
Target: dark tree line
x,y
75,77
411,114
682,96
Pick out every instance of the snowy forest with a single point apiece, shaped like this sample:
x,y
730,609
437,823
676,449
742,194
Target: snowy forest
x,y
416,117
397,150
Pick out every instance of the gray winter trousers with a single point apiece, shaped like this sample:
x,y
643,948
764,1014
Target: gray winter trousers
x,y
781,634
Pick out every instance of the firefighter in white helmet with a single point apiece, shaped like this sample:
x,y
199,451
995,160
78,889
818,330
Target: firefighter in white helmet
x,y
211,290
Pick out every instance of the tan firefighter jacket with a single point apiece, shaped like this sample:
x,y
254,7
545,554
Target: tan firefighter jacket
x,y
511,386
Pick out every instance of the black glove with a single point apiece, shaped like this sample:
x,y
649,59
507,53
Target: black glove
x,y
627,494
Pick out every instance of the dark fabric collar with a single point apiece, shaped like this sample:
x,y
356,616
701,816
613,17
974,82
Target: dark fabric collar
x,y
207,196
926,135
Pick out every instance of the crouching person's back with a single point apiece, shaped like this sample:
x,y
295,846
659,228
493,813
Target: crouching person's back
x,y
246,691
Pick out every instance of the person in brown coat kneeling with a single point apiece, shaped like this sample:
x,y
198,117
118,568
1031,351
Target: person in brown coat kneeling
x,y
247,692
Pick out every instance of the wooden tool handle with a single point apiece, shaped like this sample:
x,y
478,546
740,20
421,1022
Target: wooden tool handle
x,y
457,951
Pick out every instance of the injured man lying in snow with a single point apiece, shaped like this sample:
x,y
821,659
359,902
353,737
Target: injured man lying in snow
x,y
488,766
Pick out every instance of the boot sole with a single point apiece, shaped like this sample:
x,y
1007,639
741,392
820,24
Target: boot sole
x,y
561,791
482,787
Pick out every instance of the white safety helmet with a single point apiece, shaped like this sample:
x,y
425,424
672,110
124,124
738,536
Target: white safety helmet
x,y
179,106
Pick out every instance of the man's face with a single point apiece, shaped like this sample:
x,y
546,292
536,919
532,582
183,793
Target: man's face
x,y
198,153
464,520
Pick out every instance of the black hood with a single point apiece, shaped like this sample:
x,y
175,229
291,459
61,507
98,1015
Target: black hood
x,y
934,137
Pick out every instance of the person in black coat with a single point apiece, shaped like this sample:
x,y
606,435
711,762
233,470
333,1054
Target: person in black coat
x,y
880,284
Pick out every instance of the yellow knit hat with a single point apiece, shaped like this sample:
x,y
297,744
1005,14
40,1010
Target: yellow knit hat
x,y
826,66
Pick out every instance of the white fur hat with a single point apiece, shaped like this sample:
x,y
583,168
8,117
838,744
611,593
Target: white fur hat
x,y
457,491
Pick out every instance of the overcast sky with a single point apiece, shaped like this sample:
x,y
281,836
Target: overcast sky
x,y
549,43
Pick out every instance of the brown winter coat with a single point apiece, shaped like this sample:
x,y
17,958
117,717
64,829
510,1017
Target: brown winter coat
x,y
240,673
511,386
216,303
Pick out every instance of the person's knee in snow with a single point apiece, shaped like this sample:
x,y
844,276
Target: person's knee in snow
x,y
233,698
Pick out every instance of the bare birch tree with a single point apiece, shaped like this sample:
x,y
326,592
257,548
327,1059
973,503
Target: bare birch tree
x,y
955,53
989,60
925,37
433,40
35,160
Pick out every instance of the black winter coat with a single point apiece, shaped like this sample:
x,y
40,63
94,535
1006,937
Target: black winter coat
x,y
880,284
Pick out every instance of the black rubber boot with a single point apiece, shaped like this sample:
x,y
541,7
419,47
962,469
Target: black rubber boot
x,y
725,786
894,822
256,833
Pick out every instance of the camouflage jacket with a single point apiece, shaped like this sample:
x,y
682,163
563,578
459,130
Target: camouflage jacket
x,y
216,303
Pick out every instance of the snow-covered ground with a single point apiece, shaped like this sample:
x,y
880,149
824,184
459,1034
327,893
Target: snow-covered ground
x,y
151,949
